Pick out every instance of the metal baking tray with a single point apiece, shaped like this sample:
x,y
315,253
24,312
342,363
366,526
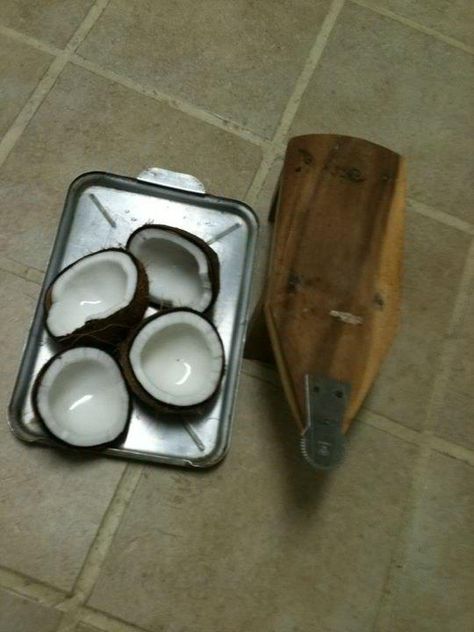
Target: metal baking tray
x,y
100,211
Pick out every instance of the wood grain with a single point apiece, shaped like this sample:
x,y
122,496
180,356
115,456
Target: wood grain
x,y
332,299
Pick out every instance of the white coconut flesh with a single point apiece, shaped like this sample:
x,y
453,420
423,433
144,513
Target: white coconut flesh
x,y
82,397
178,270
95,287
178,358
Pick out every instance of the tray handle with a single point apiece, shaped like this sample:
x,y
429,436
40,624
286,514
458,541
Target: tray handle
x,y
173,179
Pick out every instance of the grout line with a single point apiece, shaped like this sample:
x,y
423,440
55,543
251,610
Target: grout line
x,y
21,270
13,267
380,422
384,612
272,152
304,78
31,589
174,102
73,607
464,291
86,25
47,596
107,530
47,82
450,346
269,157
383,616
366,4
30,41
451,449
105,622
68,622
440,216
98,552
29,109
447,353
34,275
424,438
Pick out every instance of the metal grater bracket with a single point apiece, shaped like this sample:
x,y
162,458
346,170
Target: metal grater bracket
x,y
322,441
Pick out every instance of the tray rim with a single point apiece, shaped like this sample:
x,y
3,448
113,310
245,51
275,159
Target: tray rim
x,y
220,450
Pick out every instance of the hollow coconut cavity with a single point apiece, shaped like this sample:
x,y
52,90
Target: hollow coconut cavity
x,y
81,397
174,359
97,298
183,271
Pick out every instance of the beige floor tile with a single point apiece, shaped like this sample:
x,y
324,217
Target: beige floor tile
x,y
434,590
21,67
434,259
50,504
454,18
236,58
20,615
260,544
383,81
52,21
455,416
88,123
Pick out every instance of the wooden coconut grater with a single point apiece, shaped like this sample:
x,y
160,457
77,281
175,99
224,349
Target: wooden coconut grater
x,y
330,308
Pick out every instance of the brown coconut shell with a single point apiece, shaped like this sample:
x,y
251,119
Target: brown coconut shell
x,y
114,328
134,384
34,403
209,253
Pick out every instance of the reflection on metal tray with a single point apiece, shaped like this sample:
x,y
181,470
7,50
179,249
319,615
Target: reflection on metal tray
x,y
100,211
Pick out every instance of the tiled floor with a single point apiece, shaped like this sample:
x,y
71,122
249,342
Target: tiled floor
x,y
258,544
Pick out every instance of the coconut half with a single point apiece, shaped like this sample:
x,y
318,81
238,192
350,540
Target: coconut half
x,y
183,271
97,298
174,359
81,397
